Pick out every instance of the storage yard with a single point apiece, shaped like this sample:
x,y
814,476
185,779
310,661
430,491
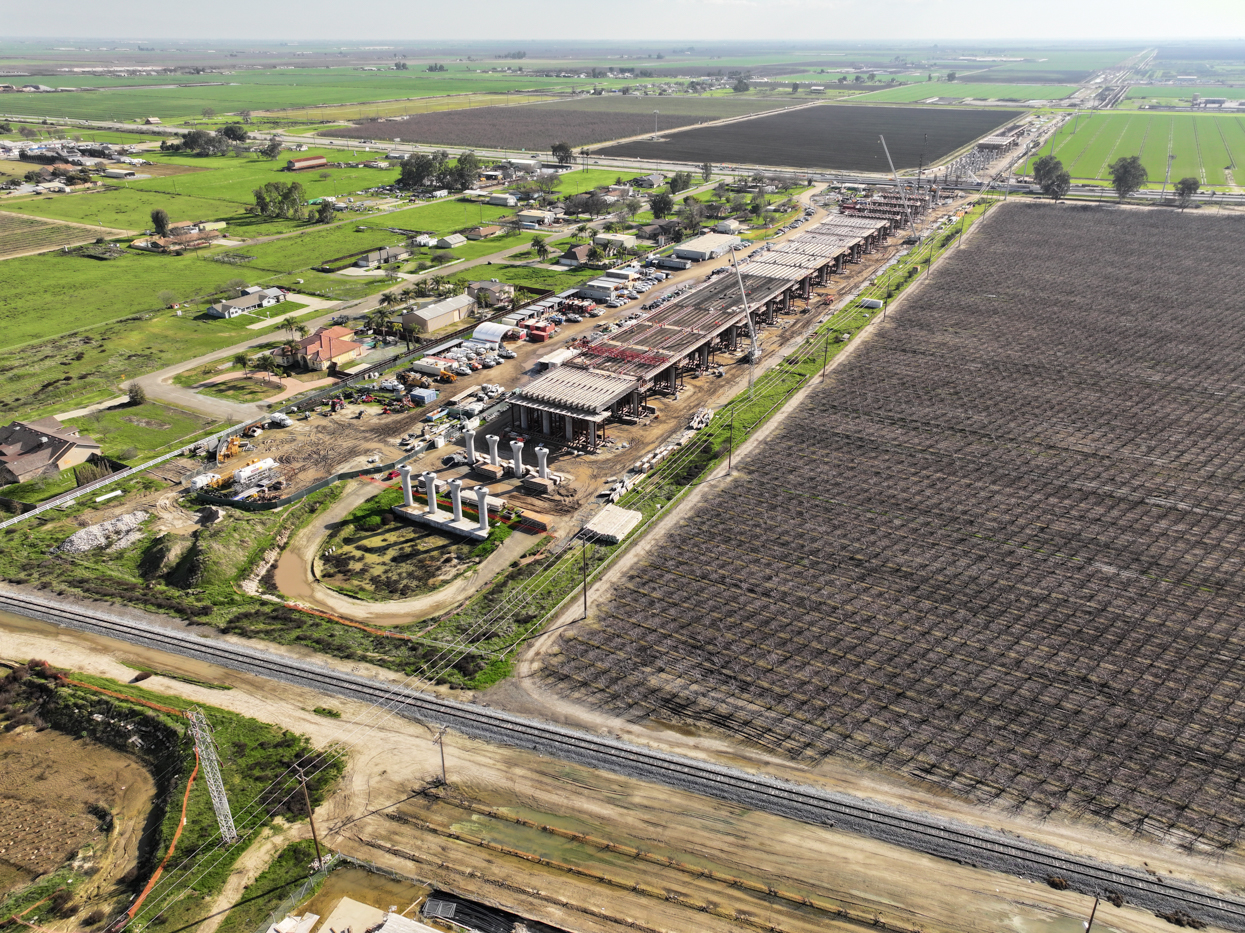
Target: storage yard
x,y
985,554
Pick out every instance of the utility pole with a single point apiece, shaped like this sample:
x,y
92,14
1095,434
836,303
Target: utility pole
x,y
730,447
584,549
302,779
1171,157
1091,915
440,740
825,358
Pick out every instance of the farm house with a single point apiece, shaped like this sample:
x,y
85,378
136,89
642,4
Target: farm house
x,y
612,377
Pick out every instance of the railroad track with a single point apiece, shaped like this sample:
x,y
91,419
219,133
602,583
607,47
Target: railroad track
x,y
931,835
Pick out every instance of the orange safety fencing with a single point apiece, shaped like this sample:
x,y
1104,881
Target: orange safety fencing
x,y
173,845
122,696
359,625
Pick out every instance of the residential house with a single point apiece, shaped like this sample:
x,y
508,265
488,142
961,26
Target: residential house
x,y
492,293
433,317
575,255
729,225
327,348
247,304
614,241
655,180
31,449
152,121
382,257
449,242
483,233
661,232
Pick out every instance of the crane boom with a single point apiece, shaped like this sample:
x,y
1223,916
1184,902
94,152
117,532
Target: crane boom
x,y
754,353
902,196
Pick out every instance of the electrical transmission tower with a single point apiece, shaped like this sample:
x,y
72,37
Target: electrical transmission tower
x,y
206,748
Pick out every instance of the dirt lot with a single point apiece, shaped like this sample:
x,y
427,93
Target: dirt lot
x,y
47,781
388,762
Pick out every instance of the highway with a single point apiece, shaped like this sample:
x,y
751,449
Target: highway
x,y
935,836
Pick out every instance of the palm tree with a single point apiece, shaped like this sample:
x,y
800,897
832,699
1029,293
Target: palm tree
x,y
378,320
242,360
389,299
265,363
541,248
407,295
301,331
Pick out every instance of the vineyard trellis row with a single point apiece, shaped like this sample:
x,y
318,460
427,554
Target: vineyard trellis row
x,y
1000,550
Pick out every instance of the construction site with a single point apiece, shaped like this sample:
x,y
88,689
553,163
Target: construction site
x,y
613,379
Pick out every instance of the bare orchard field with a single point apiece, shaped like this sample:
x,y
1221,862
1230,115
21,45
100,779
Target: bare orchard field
x,y
20,235
583,122
832,136
998,551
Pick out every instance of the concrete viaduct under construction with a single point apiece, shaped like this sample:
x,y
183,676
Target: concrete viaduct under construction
x,y
611,378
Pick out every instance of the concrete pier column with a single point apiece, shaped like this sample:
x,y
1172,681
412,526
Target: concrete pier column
x,y
570,428
516,452
523,418
469,446
492,449
592,434
542,462
407,499
704,356
430,490
546,422
456,496
482,505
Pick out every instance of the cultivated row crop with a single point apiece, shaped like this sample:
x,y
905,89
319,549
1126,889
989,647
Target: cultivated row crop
x,y
1000,550
832,136
537,127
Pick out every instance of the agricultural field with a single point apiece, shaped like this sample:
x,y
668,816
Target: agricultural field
x,y
275,90
831,136
1067,67
1018,93
1207,147
398,108
19,234
123,208
586,121
233,178
985,554
1182,96
295,253
445,216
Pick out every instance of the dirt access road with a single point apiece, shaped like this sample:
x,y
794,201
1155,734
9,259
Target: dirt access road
x,y
374,815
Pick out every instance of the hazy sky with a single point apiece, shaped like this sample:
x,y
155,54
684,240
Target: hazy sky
x,y
659,20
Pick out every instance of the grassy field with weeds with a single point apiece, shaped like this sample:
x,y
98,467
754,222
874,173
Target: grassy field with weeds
x,y
133,432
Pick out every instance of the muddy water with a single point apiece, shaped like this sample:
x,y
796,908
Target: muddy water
x,y
379,891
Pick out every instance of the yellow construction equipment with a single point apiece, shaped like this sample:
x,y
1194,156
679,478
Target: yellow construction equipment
x,y
231,449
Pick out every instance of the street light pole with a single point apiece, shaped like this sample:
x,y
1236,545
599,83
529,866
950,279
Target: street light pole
x,y
655,112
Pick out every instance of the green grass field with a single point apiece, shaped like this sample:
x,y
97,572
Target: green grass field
x,y
138,430
1183,93
267,90
445,216
234,178
122,208
1008,92
1204,145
